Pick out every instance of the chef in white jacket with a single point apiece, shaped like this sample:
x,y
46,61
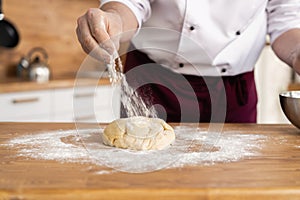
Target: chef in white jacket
x,y
212,45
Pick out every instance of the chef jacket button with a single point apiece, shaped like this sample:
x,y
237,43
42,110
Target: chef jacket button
x,y
192,28
238,33
181,65
223,70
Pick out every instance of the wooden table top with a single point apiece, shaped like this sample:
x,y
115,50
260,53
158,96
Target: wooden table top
x,y
273,174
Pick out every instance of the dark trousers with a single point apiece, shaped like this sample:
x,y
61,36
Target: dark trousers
x,y
189,98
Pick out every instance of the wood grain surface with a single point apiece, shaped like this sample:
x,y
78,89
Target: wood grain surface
x,y
294,86
48,24
273,174
51,25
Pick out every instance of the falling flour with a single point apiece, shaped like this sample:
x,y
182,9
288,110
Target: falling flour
x,y
191,147
131,101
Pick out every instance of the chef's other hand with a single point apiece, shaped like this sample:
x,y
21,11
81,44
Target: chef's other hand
x,y
99,32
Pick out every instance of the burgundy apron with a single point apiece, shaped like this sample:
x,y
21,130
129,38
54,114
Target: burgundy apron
x,y
189,98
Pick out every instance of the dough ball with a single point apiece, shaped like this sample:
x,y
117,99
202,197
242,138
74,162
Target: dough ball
x,y
138,133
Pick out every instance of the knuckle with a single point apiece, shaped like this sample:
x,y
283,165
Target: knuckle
x,y
96,31
87,41
79,20
91,12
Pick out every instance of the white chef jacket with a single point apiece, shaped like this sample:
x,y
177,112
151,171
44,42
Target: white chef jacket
x,y
209,37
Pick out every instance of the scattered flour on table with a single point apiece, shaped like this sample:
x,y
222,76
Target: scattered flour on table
x,y
191,147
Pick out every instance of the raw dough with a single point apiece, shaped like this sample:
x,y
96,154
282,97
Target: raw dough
x,y
139,133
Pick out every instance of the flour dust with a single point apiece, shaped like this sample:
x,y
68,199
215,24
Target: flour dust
x,y
132,103
190,148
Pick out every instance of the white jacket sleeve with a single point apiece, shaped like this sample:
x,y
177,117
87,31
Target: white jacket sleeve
x,y
140,8
282,16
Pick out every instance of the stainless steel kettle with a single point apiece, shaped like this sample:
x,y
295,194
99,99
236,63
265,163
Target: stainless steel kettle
x,y
37,68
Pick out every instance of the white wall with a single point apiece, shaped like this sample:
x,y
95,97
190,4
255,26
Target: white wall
x,y
272,77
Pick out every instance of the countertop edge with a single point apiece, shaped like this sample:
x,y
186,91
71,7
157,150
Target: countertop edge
x,y
150,193
22,86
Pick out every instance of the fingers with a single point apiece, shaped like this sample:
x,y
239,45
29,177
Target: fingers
x,y
88,43
98,24
93,35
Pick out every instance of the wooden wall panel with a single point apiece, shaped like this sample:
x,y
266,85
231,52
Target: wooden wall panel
x,y
50,24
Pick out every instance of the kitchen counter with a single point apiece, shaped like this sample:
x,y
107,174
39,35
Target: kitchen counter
x,y
294,86
17,85
272,174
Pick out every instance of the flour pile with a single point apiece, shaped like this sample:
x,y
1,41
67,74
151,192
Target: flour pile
x,y
192,147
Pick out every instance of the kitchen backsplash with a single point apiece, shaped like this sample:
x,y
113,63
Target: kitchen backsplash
x,y
49,24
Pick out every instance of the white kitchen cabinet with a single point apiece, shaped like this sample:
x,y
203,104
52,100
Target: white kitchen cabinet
x,y
87,104
26,106
79,104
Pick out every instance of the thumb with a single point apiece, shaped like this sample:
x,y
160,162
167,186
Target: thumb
x,y
114,28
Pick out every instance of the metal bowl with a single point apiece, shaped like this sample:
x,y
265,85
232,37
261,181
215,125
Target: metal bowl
x,y
290,104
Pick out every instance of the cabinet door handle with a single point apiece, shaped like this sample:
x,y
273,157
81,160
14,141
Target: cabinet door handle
x,y
87,117
25,100
83,95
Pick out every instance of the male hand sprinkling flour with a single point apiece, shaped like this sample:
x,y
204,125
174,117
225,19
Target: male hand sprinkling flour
x,y
205,49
